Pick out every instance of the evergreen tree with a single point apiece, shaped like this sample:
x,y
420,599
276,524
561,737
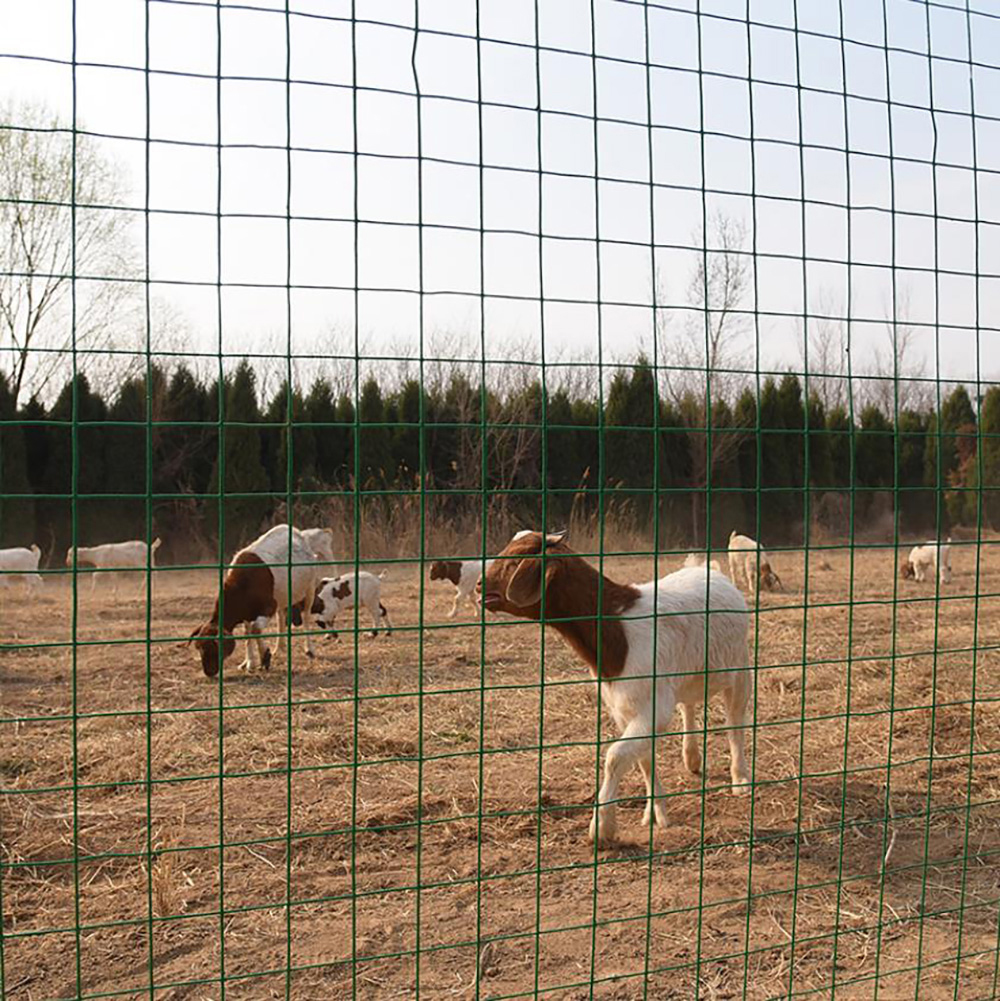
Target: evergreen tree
x,y
375,437
628,436
820,459
874,457
328,436
125,452
745,416
793,420
77,438
989,426
17,507
245,474
958,445
774,464
915,502
841,445
342,445
406,439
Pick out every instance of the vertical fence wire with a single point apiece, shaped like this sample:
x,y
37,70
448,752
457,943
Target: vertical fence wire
x,y
434,839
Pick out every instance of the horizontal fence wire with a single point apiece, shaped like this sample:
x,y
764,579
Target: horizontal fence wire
x,y
356,359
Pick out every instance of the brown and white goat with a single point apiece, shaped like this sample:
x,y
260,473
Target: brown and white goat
x,y
464,574
334,594
652,653
256,586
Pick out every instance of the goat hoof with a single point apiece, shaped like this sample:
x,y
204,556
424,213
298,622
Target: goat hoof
x,y
602,830
373,634
741,787
266,660
692,762
244,666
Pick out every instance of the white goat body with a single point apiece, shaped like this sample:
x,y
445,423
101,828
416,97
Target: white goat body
x,y
334,594
320,541
134,555
930,558
655,652
20,564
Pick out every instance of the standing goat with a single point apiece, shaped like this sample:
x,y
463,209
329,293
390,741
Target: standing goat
x,y
464,574
334,594
746,555
650,634
115,557
273,572
930,558
21,564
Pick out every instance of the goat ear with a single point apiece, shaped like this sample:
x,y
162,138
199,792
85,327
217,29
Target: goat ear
x,y
525,586
554,538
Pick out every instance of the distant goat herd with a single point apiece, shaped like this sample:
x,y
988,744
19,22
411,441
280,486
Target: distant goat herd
x,y
648,645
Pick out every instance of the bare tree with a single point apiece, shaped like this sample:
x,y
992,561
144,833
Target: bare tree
x,y
46,171
705,359
898,368
826,363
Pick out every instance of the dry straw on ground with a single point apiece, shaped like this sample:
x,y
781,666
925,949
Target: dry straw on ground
x,y
432,740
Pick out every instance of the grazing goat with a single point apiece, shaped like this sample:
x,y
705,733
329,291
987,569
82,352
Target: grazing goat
x,y
20,564
932,557
649,633
333,594
320,541
748,556
255,587
464,574
698,560
132,556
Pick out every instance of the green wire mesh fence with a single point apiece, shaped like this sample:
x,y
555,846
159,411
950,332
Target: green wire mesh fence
x,y
511,304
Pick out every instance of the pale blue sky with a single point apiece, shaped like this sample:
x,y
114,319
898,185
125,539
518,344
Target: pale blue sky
x,y
750,114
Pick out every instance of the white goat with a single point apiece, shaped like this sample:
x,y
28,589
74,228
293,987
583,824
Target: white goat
x,y
698,560
130,556
20,564
334,594
932,557
746,555
320,541
665,616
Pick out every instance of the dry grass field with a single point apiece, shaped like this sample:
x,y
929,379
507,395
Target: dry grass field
x,y
430,791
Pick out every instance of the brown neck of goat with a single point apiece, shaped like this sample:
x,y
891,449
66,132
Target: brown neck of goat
x,y
572,598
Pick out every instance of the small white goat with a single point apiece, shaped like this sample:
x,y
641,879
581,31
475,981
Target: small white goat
x,y
320,541
333,594
698,560
464,574
119,556
930,558
675,607
20,564
747,556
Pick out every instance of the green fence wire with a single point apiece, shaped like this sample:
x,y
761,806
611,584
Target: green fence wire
x,y
426,276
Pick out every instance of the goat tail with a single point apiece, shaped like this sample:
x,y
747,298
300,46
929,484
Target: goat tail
x,y
35,549
157,542
383,575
